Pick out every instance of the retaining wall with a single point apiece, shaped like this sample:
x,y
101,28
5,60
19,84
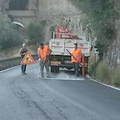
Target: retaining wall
x,y
11,62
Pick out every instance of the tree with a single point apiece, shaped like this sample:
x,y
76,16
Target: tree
x,y
35,33
101,14
9,37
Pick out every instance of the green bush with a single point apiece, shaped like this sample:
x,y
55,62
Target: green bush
x,y
102,73
35,33
116,77
91,69
9,37
92,65
100,16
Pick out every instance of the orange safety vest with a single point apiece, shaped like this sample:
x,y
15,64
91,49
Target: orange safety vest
x,y
77,54
43,52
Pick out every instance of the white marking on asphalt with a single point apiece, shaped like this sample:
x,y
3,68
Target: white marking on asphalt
x,y
12,68
62,75
110,86
65,79
9,69
65,75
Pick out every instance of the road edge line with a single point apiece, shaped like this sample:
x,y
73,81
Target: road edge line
x,y
9,69
110,86
63,79
12,67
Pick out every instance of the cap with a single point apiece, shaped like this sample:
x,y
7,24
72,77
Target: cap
x,y
41,44
23,44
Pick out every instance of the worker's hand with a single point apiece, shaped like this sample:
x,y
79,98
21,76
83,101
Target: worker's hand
x,y
44,59
23,53
40,58
47,58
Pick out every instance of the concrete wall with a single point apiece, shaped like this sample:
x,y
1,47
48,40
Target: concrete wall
x,y
23,16
10,62
19,13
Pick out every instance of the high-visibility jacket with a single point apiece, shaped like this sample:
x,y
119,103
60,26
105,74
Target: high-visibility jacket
x,y
43,52
77,54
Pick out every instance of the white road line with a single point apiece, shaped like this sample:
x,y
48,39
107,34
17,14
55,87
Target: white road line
x,y
9,69
110,86
65,79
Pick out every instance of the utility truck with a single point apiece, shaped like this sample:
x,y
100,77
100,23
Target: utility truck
x,y
61,44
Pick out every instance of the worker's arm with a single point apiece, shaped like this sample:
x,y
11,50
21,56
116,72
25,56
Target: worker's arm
x,y
49,51
21,53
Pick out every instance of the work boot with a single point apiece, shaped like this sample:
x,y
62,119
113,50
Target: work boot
x,y
49,77
41,76
24,73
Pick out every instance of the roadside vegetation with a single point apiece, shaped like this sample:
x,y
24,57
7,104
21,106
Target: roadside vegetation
x,y
35,32
104,73
12,36
100,20
100,16
9,36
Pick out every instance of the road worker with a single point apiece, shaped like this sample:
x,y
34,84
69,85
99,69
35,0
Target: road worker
x,y
23,51
76,58
43,54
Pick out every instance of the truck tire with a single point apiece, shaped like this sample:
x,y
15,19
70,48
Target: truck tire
x,y
52,69
56,69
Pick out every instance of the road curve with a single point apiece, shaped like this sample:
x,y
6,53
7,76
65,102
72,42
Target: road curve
x,y
63,97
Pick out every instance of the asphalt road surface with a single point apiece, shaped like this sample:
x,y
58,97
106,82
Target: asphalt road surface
x,y
62,97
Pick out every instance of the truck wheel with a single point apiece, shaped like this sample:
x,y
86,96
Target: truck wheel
x,y
52,69
56,69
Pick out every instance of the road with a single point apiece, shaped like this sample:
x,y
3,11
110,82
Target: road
x,y
63,97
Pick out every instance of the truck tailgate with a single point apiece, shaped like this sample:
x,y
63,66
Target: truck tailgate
x,y
57,46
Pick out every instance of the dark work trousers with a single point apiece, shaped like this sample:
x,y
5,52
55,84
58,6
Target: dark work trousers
x,y
42,65
23,68
76,65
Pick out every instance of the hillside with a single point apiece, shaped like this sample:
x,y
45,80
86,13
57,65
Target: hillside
x,y
52,12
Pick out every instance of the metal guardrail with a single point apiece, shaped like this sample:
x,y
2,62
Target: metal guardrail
x,y
11,62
